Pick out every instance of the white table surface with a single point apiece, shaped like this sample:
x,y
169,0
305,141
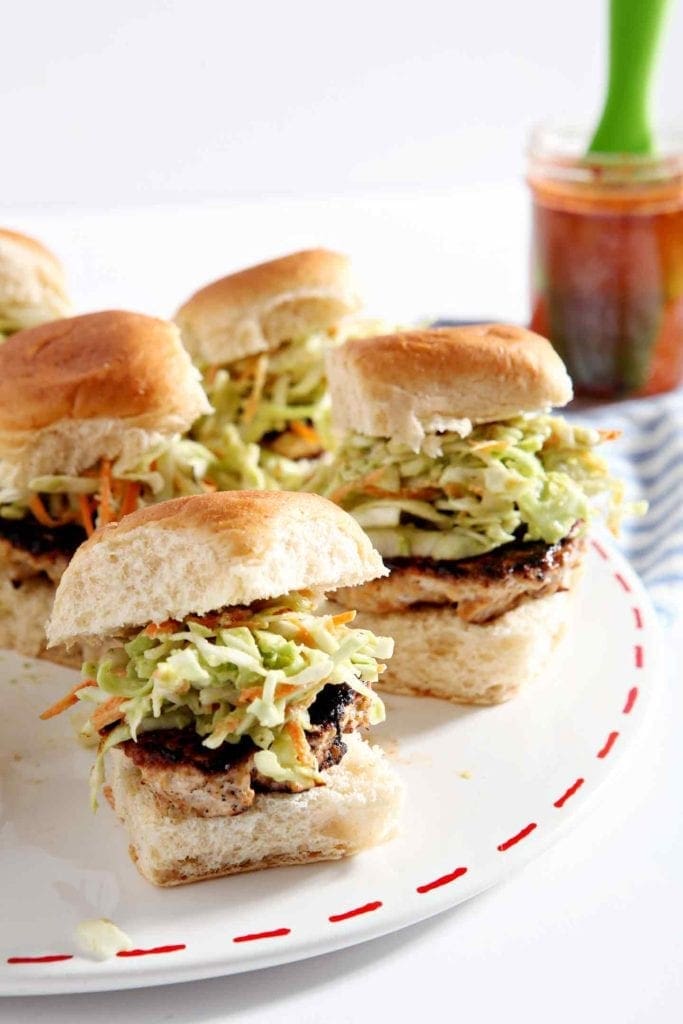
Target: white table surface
x,y
592,930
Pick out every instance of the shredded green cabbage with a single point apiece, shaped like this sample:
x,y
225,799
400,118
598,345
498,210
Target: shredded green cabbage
x,y
246,674
256,401
272,417
463,496
167,470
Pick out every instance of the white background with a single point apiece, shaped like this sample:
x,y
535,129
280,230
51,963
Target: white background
x,y
141,101
141,104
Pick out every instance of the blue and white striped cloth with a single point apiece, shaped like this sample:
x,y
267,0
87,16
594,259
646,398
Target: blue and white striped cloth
x,y
649,458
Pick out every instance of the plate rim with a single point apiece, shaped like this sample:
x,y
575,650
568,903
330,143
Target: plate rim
x,y
361,924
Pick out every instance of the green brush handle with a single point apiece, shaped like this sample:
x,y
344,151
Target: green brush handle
x,y
634,33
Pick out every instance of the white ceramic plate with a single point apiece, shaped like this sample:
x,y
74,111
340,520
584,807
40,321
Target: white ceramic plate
x,y
487,790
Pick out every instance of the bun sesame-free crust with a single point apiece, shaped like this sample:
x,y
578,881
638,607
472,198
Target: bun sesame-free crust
x,y
32,286
92,386
198,554
404,385
258,309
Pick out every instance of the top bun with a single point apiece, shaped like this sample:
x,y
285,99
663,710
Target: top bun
x,y
258,309
97,386
198,554
405,385
32,288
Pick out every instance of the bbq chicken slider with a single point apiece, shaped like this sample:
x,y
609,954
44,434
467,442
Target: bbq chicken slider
x,y
477,498
91,412
229,709
259,337
32,286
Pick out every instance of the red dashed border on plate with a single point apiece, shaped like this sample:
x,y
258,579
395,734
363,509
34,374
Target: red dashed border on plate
x,y
451,876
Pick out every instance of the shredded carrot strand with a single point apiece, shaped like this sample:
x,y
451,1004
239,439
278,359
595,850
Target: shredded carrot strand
x,y
298,738
130,498
251,404
107,713
86,514
155,628
250,693
356,485
305,431
40,512
67,701
284,689
341,618
305,638
106,512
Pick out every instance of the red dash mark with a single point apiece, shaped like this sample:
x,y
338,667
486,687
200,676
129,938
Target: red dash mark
x,y
624,584
444,880
367,908
600,550
51,959
609,743
153,950
630,700
637,615
518,838
276,933
569,793
638,654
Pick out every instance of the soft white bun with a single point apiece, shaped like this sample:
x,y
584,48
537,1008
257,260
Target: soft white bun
x,y
258,309
437,654
358,808
25,606
405,385
32,287
96,386
201,553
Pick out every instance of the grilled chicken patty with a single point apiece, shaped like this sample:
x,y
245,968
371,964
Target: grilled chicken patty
x,y
182,772
479,589
29,549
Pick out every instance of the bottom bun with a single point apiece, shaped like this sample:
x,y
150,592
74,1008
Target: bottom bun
x,y
25,607
438,654
357,808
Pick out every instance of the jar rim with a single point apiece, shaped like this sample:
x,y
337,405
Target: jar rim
x,y
561,151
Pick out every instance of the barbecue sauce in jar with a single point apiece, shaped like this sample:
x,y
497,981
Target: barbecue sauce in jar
x,y
607,264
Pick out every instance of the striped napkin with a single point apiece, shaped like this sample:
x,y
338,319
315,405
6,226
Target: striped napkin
x,y
649,458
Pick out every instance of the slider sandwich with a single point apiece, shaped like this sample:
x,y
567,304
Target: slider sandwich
x,y
259,338
91,412
228,708
477,498
32,287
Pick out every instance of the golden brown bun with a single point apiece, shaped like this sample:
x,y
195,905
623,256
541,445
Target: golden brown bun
x,y
358,808
93,386
438,654
404,385
201,553
258,309
32,287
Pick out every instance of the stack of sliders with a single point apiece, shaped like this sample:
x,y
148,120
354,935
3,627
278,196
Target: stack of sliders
x,y
91,409
32,286
228,708
475,496
259,338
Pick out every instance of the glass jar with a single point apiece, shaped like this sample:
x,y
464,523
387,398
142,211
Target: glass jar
x,y
607,262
